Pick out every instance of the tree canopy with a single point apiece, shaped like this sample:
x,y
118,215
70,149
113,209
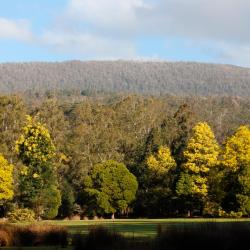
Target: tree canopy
x,y
173,156
111,187
6,180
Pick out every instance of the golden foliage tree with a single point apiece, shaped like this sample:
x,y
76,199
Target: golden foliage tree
x,y
162,162
37,178
6,180
236,159
200,155
237,149
35,146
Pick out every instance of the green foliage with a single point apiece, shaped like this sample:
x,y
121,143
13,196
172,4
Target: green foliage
x,y
51,199
12,118
110,187
184,121
68,199
155,196
187,184
216,192
6,180
21,215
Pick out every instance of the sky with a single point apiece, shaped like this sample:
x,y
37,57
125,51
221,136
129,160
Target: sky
x,y
214,31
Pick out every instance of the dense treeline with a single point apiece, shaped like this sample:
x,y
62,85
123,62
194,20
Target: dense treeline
x,y
86,78
129,155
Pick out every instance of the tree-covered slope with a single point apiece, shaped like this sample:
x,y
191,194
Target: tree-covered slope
x,y
180,78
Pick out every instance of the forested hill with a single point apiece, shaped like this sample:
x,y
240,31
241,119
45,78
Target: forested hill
x,y
178,78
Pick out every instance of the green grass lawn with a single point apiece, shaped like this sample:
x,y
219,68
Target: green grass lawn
x,y
135,228
138,227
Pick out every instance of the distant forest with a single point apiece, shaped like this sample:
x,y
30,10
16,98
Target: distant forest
x,y
147,78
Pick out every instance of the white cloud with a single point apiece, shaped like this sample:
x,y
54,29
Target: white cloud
x,y
83,44
193,19
96,29
219,23
220,20
109,28
15,29
107,14
239,55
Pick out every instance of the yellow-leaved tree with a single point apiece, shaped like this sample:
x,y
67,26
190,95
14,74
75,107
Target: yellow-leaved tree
x,y
160,163
38,186
35,146
201,154
236,160
237,149
159,181
6,180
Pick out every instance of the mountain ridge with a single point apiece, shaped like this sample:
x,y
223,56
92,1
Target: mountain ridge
x,y
142,77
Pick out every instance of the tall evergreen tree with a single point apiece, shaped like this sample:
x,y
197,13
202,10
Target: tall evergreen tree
x,y
184,122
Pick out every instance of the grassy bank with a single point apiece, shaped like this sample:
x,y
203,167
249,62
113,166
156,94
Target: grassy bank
x,y
139,227
206,236
137,234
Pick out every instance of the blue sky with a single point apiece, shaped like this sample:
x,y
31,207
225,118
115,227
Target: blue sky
x,y
175,30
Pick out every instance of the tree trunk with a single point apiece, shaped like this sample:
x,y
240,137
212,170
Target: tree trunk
x,y
113,216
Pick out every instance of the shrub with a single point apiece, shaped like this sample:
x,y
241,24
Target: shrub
x,y
100,238
55,235
33,235
5,238
232,214
21,215
43,234
235,215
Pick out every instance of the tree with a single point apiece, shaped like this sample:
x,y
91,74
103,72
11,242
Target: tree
x,y
110,187
157,197
12,119
51,201
160,163
37,178
68,199
35,147
6,180
236,159
184,119
51,113
200,156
